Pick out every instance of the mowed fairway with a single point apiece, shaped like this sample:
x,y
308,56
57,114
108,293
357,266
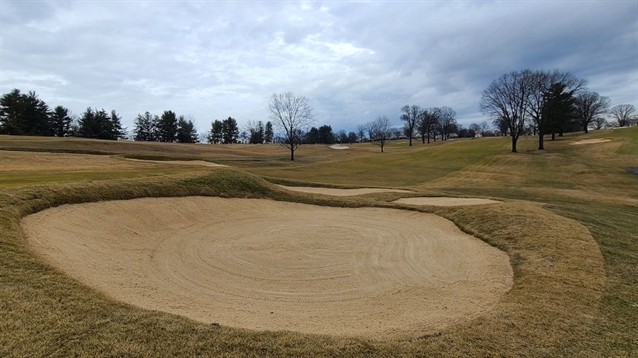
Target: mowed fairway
x,y
565,217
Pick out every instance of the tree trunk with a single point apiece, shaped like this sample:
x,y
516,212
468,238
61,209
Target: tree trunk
x,y
553,136
292,153
585,128
514,144
410,140
541,138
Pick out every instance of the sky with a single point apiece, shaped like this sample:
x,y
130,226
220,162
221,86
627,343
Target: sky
x,y
353,61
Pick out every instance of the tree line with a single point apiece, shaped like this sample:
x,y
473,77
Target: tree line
x,y
165,128
548,103
27,114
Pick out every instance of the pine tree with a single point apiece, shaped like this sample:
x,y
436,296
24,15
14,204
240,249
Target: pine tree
x,y
186,132
61,121
144,130
167,127
268,133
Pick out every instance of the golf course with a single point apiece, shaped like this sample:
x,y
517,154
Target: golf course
x,y
452,248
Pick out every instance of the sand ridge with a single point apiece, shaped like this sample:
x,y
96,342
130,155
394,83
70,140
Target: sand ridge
x,y
341,192
267,265
445,201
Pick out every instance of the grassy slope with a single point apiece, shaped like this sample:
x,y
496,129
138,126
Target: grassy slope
x,y
561,304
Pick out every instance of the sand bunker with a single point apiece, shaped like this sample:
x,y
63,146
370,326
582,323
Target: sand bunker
x,y
341,192
590,141
180,162
339,146
267,265
445,201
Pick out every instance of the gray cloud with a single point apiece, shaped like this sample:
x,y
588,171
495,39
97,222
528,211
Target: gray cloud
x,y
354,61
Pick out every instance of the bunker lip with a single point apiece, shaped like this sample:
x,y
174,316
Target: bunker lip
x,y
445,201
267,265
341,192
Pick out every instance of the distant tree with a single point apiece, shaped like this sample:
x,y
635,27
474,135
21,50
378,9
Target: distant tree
x,y
504,101
186,132
485,128
312,136
325,134
269,134
293,116
540,87
216,134
428,122
352,137
115,130
558,110
98,124
145,130
361,132
475,128
447,122
24,114
341,136
623,115
410,117
599,123
379,131
166,127
61,121
255,132
588,107
230,130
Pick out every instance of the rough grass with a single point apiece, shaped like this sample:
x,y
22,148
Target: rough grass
x,y
574,254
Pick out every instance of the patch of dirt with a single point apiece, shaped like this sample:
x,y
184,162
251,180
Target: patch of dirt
x,y
267,265
590,141
341,192
445,201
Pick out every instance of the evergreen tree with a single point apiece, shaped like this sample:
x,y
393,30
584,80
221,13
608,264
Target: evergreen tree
x,y
216,135
230,130
61,121
186,132
144,130
167,127
115,128
24,114
269,133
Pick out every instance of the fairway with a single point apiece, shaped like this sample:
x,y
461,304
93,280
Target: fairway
x,y
340,253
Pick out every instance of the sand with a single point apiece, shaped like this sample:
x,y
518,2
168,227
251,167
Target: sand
x,y
341,192
267,265
590,141
445,201
339,147
180,162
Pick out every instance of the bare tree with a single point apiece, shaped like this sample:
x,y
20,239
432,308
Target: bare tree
x,y
623,114
599,123
447,122
504,101
379,131
588,107
410,116
485,127
475,128
427,123
292,115
361,132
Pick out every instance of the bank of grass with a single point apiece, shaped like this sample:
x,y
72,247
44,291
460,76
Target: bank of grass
x,y
568,225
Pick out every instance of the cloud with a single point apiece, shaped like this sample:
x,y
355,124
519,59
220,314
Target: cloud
x,y
353,60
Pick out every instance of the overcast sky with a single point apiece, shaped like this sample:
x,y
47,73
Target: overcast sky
x,y
352,60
